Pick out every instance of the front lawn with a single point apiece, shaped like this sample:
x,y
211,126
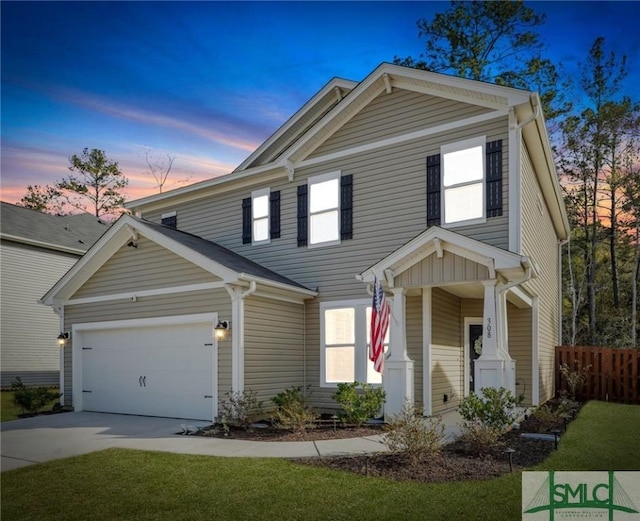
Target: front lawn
x,y
126,484
8,409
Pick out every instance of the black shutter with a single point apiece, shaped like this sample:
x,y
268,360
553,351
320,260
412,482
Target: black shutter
x,y
303,218
246,220
346,207
433,190
494,178
171,222
274,215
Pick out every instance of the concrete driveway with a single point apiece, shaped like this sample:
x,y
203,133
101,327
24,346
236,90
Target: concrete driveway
x,y
45,438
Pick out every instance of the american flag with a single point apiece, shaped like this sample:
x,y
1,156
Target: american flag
x,y
379,325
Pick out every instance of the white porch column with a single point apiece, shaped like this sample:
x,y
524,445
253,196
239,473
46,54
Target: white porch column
x,y
503,342
238,295
398,367
489,369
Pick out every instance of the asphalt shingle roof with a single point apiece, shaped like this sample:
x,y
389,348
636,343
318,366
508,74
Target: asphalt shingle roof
x,y
78,231
220,254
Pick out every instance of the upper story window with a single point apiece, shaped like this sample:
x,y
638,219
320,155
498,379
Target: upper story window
x,y
261,217
464,183
170,219
344,343
325,210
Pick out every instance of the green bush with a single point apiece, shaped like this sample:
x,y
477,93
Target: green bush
x,y
414,436
359,406
240,410
486,418
492,410
31,399
293,411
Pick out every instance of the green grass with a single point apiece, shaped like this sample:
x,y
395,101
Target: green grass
x,y
8,410
121,484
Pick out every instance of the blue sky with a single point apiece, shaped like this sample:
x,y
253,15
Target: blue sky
x,y
209,81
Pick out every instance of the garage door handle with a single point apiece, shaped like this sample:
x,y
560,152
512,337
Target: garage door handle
x,y
208,396
144,381
140,381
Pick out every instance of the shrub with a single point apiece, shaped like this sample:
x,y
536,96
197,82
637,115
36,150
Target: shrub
x,y
414,436
293,412
241,409
545,418
492,410
486,418
575,378
31,399
359,407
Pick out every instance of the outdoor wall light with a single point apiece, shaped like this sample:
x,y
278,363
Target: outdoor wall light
x,y
221,328
62,339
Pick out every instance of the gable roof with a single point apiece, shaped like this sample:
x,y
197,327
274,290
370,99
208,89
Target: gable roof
x,y
222,262
436,240
294,152
66,233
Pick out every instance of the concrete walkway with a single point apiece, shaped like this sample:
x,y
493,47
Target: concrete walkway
x,y
44,438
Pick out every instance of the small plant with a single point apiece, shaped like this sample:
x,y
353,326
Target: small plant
x,y
575,378
239,410
414,436
486,418
293,412
359,407
31,399
545,418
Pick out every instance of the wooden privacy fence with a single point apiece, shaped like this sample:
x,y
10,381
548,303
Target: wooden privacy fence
x,y
612,376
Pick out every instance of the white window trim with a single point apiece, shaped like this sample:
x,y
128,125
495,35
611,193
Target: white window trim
x,y
315,180
455,147
360,340
255,194
168,214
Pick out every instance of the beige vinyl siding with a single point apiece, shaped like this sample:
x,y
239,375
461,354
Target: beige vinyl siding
x,y
292,134
414,343
540,243
29,330
149,266
395,114
208,301
273,347
448,268
389,209
519,330
447,354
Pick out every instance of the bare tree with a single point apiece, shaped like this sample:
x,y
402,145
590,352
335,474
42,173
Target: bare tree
x,y
159,167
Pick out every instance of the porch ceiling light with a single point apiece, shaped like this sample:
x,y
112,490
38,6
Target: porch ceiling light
x,y
62,339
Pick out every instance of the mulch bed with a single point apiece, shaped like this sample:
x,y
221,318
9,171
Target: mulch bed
x,y
452,464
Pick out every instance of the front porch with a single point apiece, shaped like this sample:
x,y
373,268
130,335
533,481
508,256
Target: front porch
x,y
460,321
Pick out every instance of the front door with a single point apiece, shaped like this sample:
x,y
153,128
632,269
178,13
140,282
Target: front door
x,y
475,350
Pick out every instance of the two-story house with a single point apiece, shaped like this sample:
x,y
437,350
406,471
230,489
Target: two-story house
x,y
443,188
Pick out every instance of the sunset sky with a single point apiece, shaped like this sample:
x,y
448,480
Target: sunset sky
x,y
208,82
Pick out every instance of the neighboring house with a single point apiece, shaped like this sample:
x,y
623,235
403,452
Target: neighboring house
x,y
443,188
36,249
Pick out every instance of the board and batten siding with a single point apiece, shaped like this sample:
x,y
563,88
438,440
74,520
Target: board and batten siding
x,y
273,347
540,243
396,114
447,269
29,348
149,266
447,354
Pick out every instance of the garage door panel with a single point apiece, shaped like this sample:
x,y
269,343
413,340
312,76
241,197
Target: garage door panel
x,y
156,371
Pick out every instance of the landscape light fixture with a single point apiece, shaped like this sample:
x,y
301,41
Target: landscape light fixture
x,y
62,339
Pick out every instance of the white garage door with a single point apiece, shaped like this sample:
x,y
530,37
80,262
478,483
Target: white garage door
x,y
165,370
